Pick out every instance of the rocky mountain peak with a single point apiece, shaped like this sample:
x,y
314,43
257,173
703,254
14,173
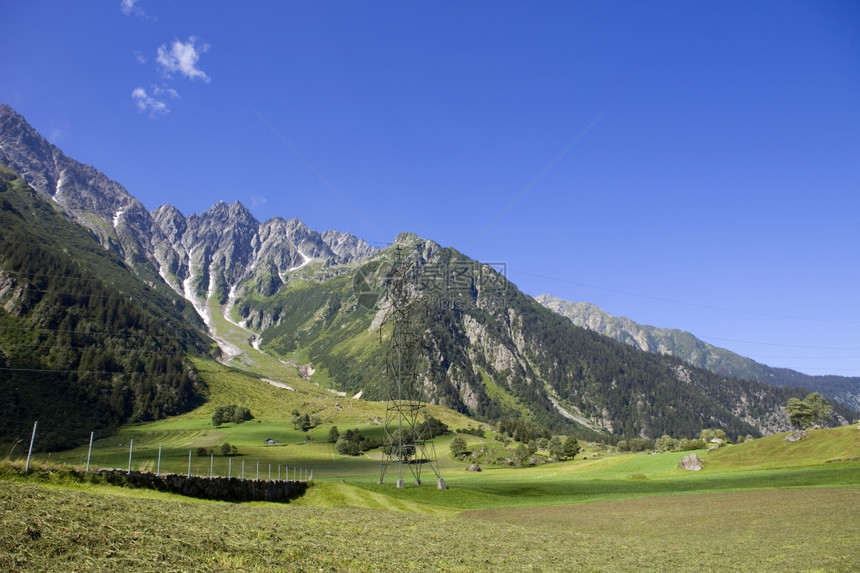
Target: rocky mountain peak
x,y
171,222
80,189
346,246
27,152
200,256
221,215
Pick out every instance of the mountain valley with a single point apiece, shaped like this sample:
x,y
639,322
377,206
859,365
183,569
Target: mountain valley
x,y
310,304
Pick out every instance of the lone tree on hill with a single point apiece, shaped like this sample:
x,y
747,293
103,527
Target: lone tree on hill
x,y
228,450
556,447
458,446
303,422
570,447
811,410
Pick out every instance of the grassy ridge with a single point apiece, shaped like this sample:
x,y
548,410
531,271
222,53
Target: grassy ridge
x,y
822,446
271,407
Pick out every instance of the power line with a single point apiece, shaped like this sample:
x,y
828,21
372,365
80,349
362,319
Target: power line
x,y
319,175
47,370
685,303
841,348
139,333
111,350
64,277
539,177
118,295
793,357
802,368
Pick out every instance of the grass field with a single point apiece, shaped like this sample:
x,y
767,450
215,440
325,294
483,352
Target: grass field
x,y
95,529
765,505
271,407
619,513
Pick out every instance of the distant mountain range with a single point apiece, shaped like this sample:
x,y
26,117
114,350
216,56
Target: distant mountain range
x,y
699,353
486,349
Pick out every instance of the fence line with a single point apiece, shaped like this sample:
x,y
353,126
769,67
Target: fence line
x,y
299,474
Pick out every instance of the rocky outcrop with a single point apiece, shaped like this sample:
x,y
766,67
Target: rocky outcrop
x,y
80,190
225,249
14,295
691,463
796,436
346,246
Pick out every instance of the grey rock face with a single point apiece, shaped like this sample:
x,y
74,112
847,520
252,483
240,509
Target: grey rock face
x,y
691,463
80,190
346,246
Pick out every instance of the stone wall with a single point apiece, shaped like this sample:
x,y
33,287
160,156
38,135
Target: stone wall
x,y
217,488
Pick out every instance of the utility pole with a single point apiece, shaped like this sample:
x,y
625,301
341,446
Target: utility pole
x,y
404,441
30,451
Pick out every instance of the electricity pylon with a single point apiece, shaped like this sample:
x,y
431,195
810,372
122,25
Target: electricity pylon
x,y
404,443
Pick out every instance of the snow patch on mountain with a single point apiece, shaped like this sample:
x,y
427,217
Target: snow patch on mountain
x,y
188,293
165,276
228,308
60,180
210,290
227,312
305,260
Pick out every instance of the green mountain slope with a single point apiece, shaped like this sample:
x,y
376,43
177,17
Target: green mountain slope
x,y
84,344
488,350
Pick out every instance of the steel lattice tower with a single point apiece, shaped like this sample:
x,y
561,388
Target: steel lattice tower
x,y
404,444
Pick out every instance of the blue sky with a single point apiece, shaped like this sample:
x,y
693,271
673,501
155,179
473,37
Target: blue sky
x,y
688,165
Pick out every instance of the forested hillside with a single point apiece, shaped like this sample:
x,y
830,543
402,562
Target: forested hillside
x,y
84,344
490,351
687,347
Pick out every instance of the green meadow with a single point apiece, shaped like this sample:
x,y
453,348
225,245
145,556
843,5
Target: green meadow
x,y
765,505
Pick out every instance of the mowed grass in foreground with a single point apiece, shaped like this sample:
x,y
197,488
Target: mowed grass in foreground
x,y
98,529
622,513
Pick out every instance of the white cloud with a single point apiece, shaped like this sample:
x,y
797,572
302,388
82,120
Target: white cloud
x,y
257,200
140,58
182,57
130,8
164,90
153,102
